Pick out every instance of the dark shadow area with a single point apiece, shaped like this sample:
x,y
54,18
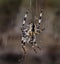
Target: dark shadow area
x,y
12,58
36,60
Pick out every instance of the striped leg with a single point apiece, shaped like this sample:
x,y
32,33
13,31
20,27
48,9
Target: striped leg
x,y
23,38
33,42
40,17
23,47
37,46
34,48
23,44
24,20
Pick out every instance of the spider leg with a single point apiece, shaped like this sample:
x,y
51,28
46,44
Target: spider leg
x,y
37,46
34,49
23,46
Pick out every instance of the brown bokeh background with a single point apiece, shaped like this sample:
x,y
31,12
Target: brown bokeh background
x,y
11,16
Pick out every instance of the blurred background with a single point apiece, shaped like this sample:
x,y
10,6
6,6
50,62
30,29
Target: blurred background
x,y
11,16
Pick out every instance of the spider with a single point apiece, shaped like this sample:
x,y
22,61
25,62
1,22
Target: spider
x,y
29,32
